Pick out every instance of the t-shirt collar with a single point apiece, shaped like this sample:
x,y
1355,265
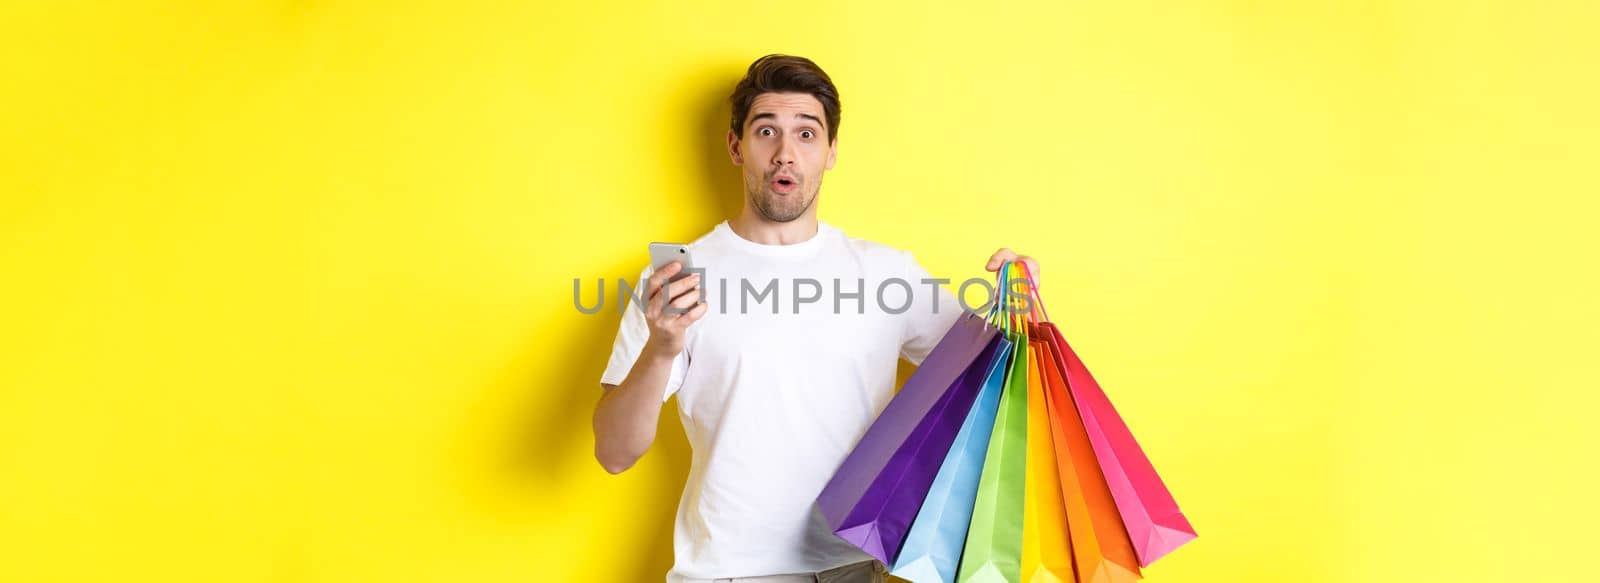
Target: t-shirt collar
x,y
805,247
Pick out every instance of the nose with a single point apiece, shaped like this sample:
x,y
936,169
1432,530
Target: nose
x,y
786,154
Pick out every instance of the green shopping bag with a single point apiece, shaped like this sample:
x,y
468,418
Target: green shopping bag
x,y
993,551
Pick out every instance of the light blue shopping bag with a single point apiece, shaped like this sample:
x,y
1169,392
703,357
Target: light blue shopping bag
x,y
932,548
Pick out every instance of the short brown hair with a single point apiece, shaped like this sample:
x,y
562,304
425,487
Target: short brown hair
x,y
785,74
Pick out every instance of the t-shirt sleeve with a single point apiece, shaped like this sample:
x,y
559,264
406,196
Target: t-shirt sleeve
x,y
631,336
932,313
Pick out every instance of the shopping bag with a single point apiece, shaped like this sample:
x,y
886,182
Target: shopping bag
x,y
932,549
1101,550
1046,547
1150,517
993,551
878,489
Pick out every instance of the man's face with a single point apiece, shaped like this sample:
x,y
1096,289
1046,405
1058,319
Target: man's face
x,y
783,151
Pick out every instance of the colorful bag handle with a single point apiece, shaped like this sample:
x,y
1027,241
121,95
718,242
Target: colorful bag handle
x,y
1000,313
1023,319
1004,317
996,315
1038,300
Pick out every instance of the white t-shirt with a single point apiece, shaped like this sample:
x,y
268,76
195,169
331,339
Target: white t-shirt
x,y
773,402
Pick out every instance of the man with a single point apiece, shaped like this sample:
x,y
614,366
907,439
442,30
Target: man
x,y
776,380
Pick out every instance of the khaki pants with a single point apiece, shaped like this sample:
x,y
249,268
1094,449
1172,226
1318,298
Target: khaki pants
x,y
862,572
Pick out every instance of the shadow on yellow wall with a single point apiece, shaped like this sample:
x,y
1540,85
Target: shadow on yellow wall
x,y
563,423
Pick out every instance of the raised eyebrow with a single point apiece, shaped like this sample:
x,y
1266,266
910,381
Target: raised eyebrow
x,y
774,116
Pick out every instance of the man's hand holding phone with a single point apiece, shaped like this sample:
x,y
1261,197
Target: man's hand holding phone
x,y
668,327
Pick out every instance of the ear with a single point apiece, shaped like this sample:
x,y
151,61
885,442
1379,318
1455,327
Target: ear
x,y
833,148
733,149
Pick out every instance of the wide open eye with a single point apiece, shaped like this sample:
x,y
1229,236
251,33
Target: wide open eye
x,y
764,132
806,134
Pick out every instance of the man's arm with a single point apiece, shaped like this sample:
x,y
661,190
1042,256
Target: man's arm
x,y
625,418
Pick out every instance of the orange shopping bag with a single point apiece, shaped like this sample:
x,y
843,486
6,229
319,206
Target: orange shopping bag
x,y
1101,549
1046,549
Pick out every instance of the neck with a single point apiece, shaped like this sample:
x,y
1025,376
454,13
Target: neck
x,y
751,226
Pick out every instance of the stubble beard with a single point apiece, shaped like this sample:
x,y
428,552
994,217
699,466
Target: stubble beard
x,y
780,208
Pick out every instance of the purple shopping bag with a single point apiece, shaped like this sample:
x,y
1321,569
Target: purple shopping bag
x,y
877,491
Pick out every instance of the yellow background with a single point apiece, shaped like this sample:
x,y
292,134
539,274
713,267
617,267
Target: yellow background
x,y
287,285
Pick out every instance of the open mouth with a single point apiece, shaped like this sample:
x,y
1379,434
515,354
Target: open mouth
x,y
784,184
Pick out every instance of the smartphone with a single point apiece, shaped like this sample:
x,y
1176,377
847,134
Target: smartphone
x,y
663,253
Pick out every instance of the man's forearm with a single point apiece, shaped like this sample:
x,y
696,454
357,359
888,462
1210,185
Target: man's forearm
x,y
625,419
